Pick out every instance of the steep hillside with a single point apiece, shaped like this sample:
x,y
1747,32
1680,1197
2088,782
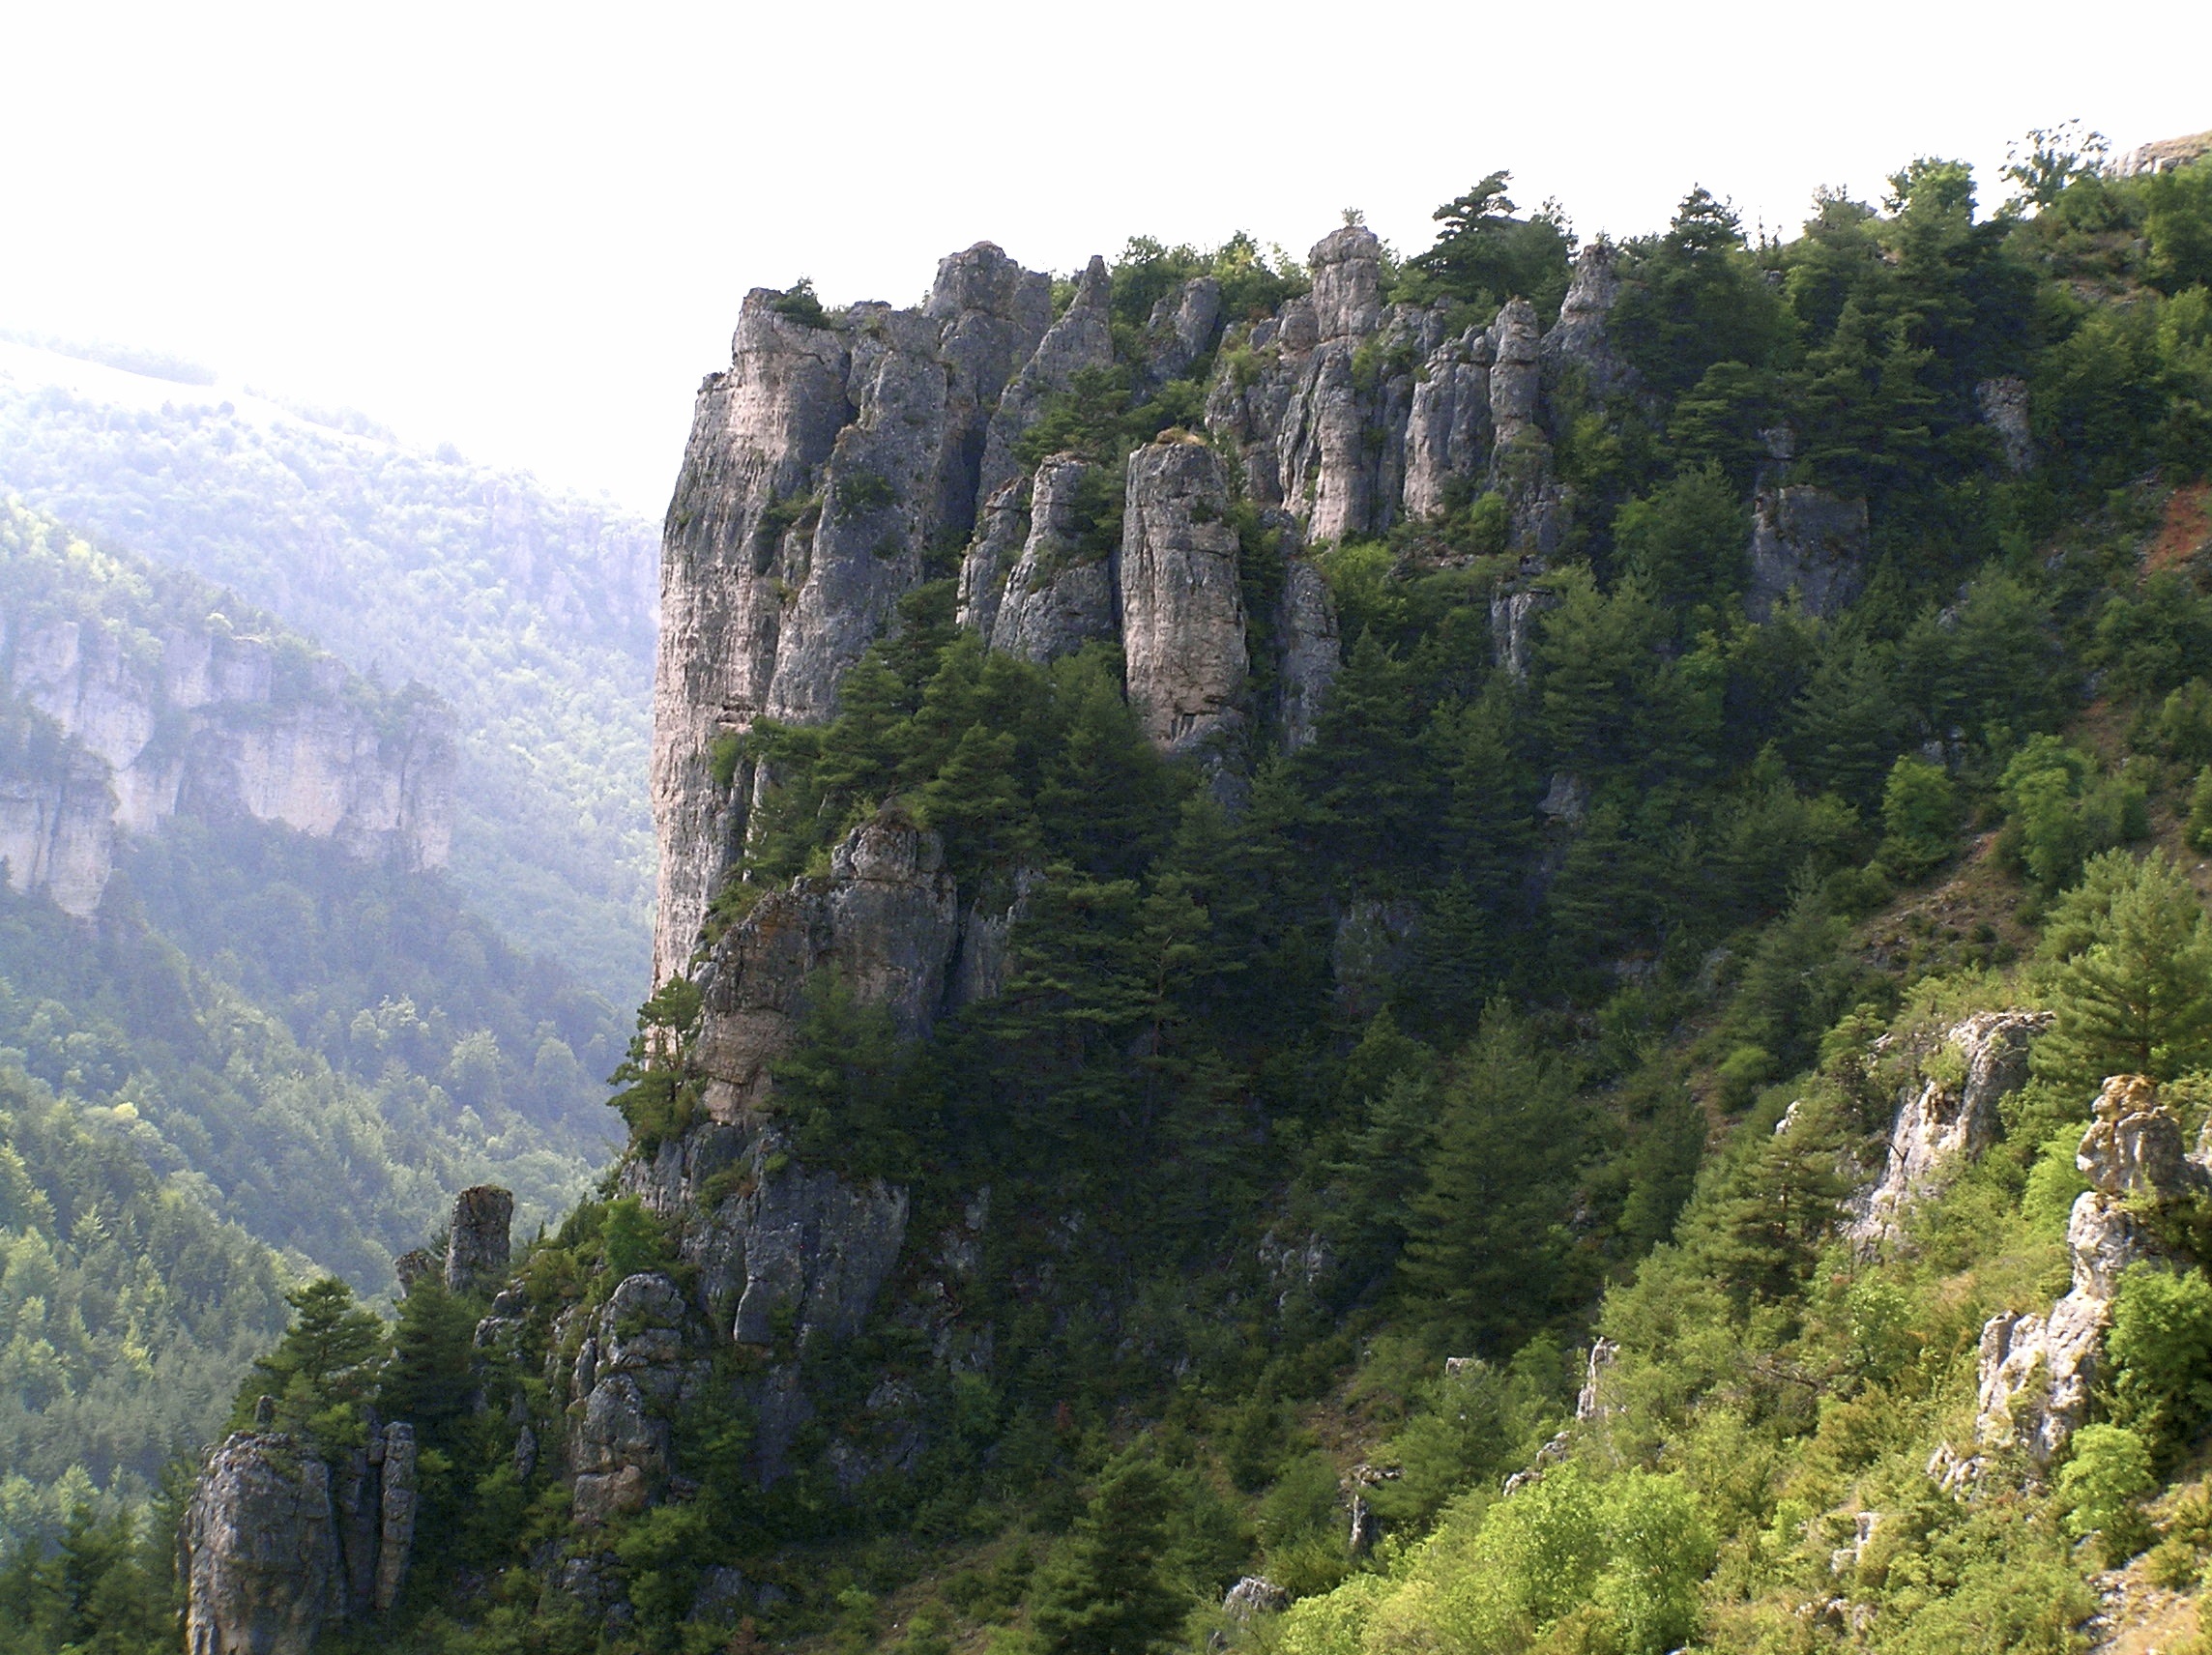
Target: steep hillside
x,y
1416,953
531,615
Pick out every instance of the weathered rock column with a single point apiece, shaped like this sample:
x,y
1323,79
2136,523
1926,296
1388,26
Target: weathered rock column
x,y
478,1245
1182,605
259,1550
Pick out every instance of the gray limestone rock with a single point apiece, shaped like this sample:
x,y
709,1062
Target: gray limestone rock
x,y
123,728
1183,604
2004,409
396,1509
478,1242
1311,651
259,1550
1347,269
1938,1125
1514,611
1061,594
1577,343
1447,429
414,1266
1515,373
1374,942
2134,1146
1183,328
1808,542
1254,1595
991,555
1083,338
885,918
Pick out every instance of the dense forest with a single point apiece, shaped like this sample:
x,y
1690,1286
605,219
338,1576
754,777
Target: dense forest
x,y
1416,1200
260,1057
531,614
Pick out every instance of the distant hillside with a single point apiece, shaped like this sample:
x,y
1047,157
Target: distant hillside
x,y
531,613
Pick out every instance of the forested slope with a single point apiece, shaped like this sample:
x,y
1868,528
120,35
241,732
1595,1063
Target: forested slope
x,y
531,613
1153,1106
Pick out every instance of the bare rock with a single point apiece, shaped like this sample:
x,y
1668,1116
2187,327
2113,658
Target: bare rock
x,y
259,1550
1306,635
1083,338
1347,269
1514,611
1004,529
1515,374
1938,1124
1576,343
885,918
1589,1402
1061,594
413,1267
1254,1595
2004,407
397,1506
2134,1146
1808,542
1183,328
477,1243
1183,604
1448,429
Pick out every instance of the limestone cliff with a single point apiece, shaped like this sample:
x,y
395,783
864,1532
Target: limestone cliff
x,y
121,714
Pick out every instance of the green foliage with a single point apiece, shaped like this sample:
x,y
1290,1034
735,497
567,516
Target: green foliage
x,y
2160,1349
1919,818
428,1379
799,305
1484,255
323,1372
1694,298
2059,810
1685,543
1108,1591
2132,983
839,1085
2110,1468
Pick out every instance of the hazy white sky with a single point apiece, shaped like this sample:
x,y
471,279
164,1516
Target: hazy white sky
x,y
526,228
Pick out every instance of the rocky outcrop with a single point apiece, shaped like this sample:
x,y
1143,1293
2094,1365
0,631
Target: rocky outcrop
x,y
822,464
1182,603
395,1515
1082,338
1449,433
2004,407
1183,328
2038,1373
1806,543
258,1549
478,1242
1577,343
640,1359
1000,536
884,920
1943,1122
115,727
1310,648
1060,596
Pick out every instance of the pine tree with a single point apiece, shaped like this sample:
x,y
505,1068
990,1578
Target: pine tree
x,y
1109,1592
1488,1245
2137,996
428,1379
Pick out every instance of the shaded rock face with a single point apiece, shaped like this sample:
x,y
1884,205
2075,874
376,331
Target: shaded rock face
x,y
640,1359
1060,596
123,731
2004,409
1940,1125
476,1244
1312,652
1082,338
1448,432
1808,542
1576,343
1002,530
259,1550
1182,601
2038,1373
1183,326
885,918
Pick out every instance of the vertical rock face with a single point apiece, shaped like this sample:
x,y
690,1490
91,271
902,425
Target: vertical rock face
x,y
1939,1124
2004,409
886,919
1001,531
1183,328
1515,376
1808,542
395,1515
1448,428
821,465
1061,594
477,1245
1576,343
1312,652
1083,338
1182,603
259,1550
119,728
